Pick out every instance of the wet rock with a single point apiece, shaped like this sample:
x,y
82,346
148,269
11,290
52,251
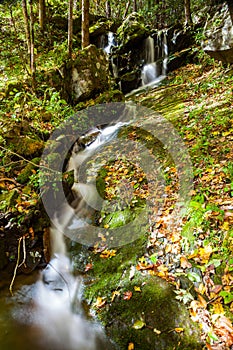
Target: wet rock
x,y
218,42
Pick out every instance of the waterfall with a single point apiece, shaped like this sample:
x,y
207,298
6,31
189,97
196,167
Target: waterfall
x,y
155,59
57,315
111,43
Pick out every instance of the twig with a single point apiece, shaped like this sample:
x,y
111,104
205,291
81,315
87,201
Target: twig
x,y
28,161
16,267
10,180
24,253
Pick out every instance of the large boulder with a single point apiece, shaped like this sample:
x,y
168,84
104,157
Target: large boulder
x,y
218,42
86,76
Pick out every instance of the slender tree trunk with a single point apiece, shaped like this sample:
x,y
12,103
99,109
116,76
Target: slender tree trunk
x,y
26,25
230,7
70,27
187,13
42,15
126,9
85,23
135,8
32,51
108,9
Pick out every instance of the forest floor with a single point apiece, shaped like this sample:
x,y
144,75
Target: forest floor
x,y
198,100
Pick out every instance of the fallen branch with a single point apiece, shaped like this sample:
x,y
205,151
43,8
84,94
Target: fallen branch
x,y
28,161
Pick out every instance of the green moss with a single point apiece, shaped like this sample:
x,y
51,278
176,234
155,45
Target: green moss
x,y
8,199
23,177
156,307
27,146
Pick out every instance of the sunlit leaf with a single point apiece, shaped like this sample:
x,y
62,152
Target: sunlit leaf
x,y
127,295
139,324
131,346
179,329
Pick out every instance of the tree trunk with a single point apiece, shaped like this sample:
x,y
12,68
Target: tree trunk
x,y
70,27
126,9
85,23
187,13
26,25
42,15
32,53
108,9
230,7
135,8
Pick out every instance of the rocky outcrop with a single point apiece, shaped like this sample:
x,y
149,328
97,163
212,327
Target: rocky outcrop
x,y
218,33
84,77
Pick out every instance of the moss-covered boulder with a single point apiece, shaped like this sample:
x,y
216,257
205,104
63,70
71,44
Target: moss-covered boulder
x,y
132,30
86,76
135,308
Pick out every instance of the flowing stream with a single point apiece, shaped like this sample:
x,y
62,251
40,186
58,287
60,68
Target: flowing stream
x,y
46,311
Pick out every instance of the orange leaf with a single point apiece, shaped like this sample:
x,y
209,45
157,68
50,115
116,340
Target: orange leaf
x,y
127,295
88,267
184,263
131,346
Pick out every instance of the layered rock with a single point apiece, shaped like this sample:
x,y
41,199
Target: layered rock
x,y
218,33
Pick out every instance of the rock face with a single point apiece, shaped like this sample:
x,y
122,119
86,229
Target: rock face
x,y
218,34
86,76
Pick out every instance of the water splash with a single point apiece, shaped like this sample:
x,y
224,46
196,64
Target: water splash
x,y
154,69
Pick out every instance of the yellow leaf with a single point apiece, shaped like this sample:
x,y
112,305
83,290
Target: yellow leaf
x,y
202,302
99,302
131,346
205,253
179,329
137,289
138,324
225,226
156,331
108,253
114,294
218,308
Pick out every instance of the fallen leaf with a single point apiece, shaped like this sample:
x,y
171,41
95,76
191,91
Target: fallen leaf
x,y
184,263
131,346
139,324
88,267
137,289
179,329
100,302
127,295
108,253
114,294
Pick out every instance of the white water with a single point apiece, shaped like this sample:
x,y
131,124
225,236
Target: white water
x,y
88,198
156,56
111,43
57,320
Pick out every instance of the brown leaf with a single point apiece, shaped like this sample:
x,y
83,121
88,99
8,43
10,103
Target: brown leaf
x,y
184,263
127,295
88,267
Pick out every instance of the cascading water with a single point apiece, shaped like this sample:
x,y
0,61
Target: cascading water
x,y
155,57
111,43
52,316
